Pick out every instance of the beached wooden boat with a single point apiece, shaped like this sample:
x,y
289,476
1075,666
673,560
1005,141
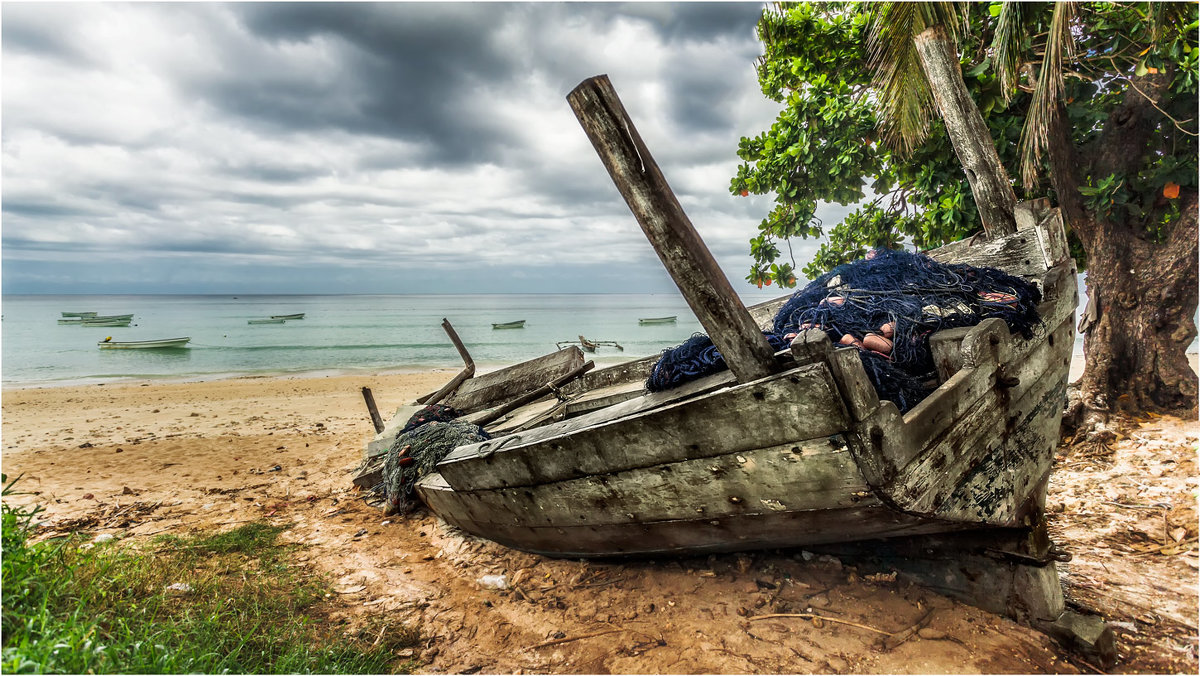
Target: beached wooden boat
x,y
657,320
795,448
298,315
273,320
519,324
79,314
161,343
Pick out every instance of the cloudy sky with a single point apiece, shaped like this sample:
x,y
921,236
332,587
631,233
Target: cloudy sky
x,y
362,148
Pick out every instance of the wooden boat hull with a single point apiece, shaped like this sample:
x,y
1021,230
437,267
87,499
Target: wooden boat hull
x,y
298,315
265,321
510,325
79,314
165,343
656,320
806,456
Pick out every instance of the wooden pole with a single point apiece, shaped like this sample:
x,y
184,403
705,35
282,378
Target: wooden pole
x,y
678,245
375,419
431,399
969,135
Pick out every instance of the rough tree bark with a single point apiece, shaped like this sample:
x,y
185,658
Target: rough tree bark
x,y
1146,291
968,133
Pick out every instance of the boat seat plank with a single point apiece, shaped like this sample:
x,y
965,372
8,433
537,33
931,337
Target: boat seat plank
x,y
495,387
798,404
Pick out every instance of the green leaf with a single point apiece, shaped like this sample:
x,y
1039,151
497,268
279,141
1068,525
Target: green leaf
x,y
980,69
1141,69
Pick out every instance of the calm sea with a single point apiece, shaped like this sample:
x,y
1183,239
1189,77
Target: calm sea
x,y
337,334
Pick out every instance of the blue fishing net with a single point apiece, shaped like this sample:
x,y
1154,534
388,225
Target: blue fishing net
x,y
890,300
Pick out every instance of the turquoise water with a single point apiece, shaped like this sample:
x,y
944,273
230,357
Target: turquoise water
x,y
338,333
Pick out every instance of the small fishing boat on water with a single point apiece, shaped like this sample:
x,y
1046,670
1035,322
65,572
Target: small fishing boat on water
x,y
589,345
79,314
519,324
92,319
298,315
110,344
272,320
657,320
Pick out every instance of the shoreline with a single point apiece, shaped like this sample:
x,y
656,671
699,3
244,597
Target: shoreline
x,y
1076,370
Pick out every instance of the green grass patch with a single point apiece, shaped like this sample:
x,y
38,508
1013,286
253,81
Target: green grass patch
x,y
211,603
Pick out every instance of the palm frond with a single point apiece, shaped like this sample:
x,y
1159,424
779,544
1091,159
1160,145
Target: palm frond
x,y
1047,91
1006,45
904,98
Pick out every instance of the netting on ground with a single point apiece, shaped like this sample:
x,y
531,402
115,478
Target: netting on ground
x,y
416,452
886,305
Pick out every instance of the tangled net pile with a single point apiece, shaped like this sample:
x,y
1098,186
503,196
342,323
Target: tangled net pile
x,y
887,305
425,440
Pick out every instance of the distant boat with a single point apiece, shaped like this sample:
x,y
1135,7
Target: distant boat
x,y
79,314
107,321
519,324
71,321
657,320
589,345
272,320
110,344
298,315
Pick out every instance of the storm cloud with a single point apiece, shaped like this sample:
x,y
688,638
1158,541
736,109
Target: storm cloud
x,y
362,148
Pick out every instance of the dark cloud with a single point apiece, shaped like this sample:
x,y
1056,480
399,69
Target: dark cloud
x,y
34,29
335,136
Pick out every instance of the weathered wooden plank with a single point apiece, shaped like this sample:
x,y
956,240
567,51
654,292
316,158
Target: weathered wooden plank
x,y
489,389
602,398
767,530
545,390
946,347
635,371
678,245
764,313
645,402
799,404
806,475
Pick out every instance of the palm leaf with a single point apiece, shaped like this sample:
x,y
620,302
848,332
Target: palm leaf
x,y
1010,27
1047,92
904,98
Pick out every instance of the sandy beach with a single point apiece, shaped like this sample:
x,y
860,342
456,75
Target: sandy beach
x,y
139,459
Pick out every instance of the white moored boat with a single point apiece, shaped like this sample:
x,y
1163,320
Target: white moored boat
x,y
110,344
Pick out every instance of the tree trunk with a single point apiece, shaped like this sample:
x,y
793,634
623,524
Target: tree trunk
x,y
1147,294
972,142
